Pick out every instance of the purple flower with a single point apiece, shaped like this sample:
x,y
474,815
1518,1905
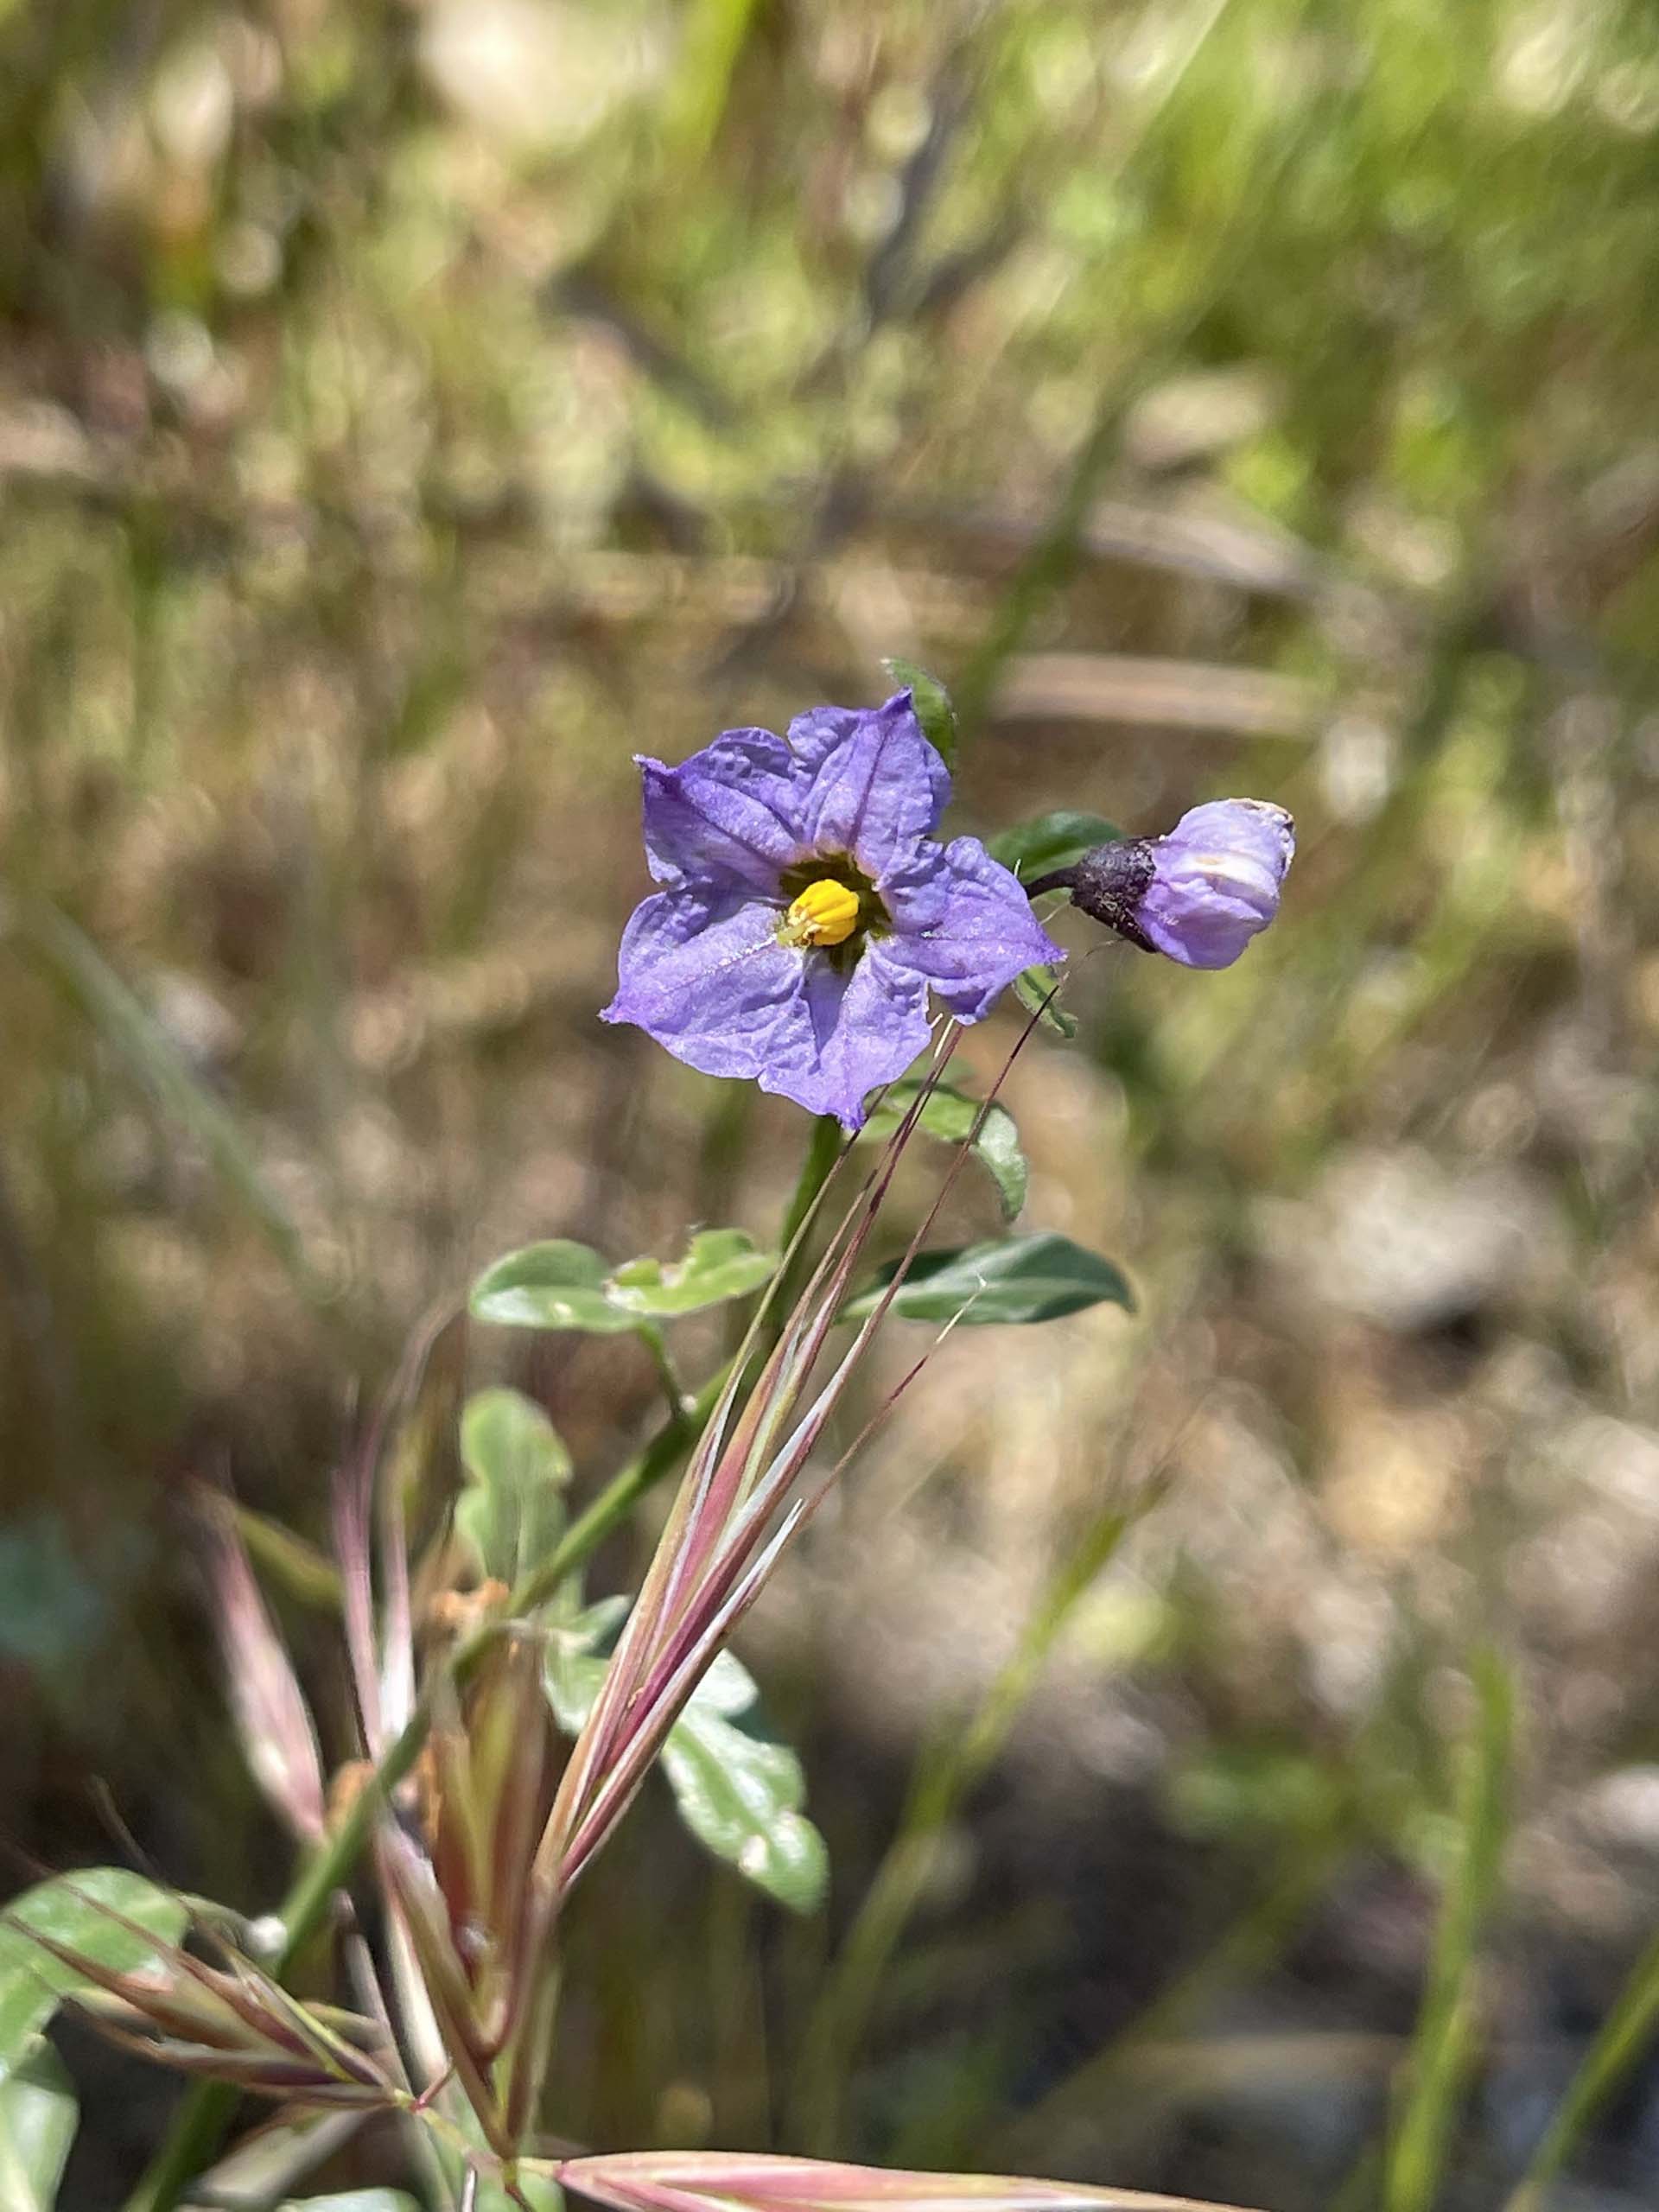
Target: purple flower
x,y
807,912
1199,895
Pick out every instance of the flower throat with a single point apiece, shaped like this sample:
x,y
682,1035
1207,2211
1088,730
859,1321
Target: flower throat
x,y
833,907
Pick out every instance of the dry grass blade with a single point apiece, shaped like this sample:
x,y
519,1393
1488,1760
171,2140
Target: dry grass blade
x,y
272,1718
734,1481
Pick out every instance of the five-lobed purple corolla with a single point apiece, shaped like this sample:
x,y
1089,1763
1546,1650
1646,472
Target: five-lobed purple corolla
x,y
807,911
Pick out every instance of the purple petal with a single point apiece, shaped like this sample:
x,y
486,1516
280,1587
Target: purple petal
x,y
847,1031
1216,880
703,972
730,815
877,786
961,919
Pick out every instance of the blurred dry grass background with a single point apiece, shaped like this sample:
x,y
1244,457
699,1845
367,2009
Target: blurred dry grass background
x,y
409,409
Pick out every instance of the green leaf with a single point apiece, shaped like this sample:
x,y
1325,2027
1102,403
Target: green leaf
x,y
933,709
738,1789
949,1115
564,1285
1050,841
557,1285
1033,990
1018,1278
741,1795
37,2126
719,1264
510,1514
576,1657
66,1908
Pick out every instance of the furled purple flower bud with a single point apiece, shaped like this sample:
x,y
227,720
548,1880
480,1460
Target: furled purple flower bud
x,y
1200,894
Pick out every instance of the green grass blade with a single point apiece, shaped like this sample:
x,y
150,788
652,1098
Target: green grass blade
x,y
1445,2045
1619,2043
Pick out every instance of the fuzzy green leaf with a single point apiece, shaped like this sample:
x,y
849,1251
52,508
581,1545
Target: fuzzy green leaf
x,y
1034,991
560,1285
719,1264
1018,1278
510,1514
738,1790
37,2126
556,1285
66,1908
741,1795
949,1115
933,709
576,1657
1050,841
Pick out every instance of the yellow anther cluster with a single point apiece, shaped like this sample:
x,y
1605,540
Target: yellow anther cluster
x,y
825,913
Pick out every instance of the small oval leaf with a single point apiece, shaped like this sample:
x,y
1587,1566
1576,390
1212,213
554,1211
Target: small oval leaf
x,y
510,1514
67,1909
1050,841
555,1285
1018,1278
950,1115
719,1264
1035,991
933,709
741,1794
559,1285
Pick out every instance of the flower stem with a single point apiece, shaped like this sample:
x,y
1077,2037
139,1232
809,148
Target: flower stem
x,y
674,1391
823,1151
1057,879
